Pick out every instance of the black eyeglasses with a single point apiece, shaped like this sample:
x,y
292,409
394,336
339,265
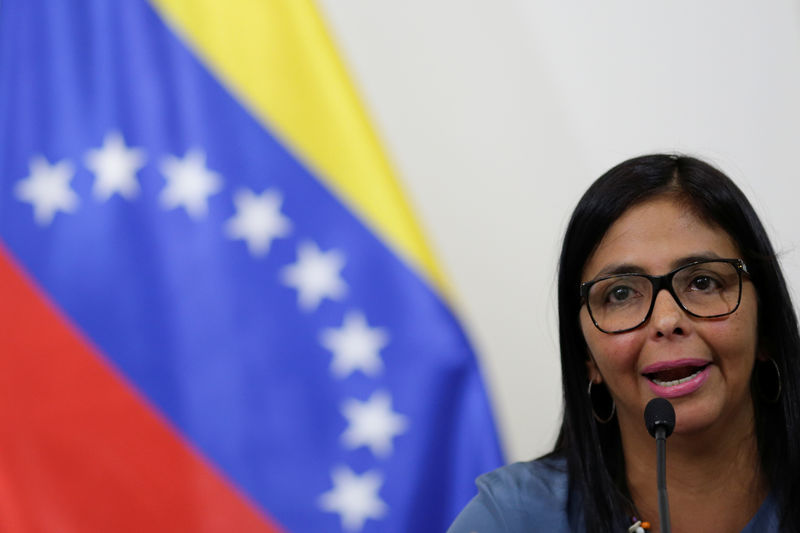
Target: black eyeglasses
x,y
704,289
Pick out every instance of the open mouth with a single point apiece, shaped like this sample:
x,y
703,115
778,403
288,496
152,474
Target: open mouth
x,y
675,376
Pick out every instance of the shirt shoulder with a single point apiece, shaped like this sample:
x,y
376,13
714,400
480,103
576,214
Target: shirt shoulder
x,y
526,496
766,519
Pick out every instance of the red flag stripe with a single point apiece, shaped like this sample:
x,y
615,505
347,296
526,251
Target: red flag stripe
x,y
80,450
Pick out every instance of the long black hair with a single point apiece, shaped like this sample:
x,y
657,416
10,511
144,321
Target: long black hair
x,y
594,451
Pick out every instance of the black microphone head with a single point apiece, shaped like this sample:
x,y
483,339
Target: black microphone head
x,y
659,412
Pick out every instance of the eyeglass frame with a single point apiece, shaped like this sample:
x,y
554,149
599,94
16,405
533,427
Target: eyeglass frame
x,y
663,282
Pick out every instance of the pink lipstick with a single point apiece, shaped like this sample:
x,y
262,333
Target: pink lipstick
x,y
672,379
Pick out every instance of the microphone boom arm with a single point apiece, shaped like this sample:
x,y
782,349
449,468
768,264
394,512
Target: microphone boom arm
x,y
663,501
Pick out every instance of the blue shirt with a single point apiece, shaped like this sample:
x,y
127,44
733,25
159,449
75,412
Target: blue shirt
x,y
533,496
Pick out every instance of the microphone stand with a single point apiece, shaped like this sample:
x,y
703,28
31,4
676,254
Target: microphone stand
x,y
661,468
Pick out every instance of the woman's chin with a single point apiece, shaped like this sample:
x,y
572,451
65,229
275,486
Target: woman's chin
x,y
694,418
690,427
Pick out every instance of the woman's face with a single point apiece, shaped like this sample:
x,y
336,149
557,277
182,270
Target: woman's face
x,y
655,238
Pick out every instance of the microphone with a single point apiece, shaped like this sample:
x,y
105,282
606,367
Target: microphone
x,y
659,413
659,417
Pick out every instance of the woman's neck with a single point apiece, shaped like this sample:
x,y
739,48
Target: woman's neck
x,y
713,479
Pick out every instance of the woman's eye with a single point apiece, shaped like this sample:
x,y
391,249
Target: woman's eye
x,y
619,294
703,283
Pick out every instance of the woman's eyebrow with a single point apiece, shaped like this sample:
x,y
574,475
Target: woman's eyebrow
x,y
700,256
619,268
630,268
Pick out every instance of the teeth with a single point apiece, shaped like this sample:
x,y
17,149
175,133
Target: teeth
x,y
676,381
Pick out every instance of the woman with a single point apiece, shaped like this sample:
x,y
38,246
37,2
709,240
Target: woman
x,y
720,341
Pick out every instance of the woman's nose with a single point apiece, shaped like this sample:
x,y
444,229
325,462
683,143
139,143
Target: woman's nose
x,y
668,318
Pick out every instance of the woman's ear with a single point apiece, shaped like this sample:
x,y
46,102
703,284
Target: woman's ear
x,y
762,354
592,370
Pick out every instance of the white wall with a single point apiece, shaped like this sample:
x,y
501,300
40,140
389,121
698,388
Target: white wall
x,y
497,116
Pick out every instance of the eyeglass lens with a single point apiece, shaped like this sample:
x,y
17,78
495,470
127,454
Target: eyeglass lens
x,y
705,290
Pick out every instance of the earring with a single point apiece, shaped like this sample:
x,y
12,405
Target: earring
x,y
592,401
768,379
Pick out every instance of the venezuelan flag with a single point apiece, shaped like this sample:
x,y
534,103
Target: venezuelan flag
x,y
217,312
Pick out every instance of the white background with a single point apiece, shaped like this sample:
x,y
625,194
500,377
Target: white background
x,y
497,115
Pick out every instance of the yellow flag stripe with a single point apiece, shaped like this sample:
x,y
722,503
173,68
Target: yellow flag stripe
x,y
277,58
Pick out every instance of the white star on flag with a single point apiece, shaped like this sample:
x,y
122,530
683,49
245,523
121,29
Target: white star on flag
x,y
354,497
372,423
189,183
258,220
115,166
355,346
315,275
47,189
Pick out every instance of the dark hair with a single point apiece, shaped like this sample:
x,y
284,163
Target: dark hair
x,y
593,450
